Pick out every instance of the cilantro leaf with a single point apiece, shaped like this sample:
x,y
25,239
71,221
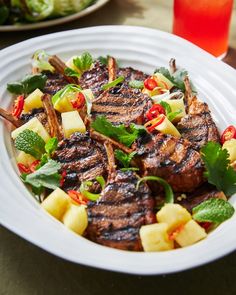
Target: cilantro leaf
x,y
28,84
169,114
213,210
124,158
136,84
119,133
83,62
51,146
218,170
31,143
71,73
45,176
113,83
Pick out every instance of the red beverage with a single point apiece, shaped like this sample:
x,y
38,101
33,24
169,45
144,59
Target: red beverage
x,y
204,22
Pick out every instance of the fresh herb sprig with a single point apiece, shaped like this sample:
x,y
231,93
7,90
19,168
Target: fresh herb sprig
x,y
218,171
214,210
28,84
120,133
124,158
113,83
83,62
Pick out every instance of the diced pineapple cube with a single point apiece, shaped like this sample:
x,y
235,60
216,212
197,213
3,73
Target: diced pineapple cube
x,y
35,125
191,233
167,127
230,146
154,237
160,78
64,103
76,219
25,159
70,64
33,101
56,203
72,122
173,215
177,105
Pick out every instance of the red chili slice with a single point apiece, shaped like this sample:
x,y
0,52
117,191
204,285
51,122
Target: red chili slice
x,y
155,111
229,133
18,106
79,102
150,84
63,176
151,125
33,166
77,197
23,168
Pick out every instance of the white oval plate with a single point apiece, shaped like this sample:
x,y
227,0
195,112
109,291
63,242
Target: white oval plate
x,y
52,22
144,49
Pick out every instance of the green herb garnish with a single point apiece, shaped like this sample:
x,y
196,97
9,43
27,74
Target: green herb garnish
x,y
169,196
130,169
51,146
71,73
120,133
103,60
28,84
169,114
40,61
136,84
213,210
84,191
67,90
113,83
218,171
101,181
46,176
31,143
83,62
124,158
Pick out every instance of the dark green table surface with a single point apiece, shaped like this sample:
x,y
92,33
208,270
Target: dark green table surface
x,y
27,270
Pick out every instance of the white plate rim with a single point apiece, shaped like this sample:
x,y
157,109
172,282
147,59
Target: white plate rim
x,y
227,246
53,22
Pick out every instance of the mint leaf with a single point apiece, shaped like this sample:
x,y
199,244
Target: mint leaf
x,y
218,170
136,84
51,146
213,210
119,133
46,176
28,84
113,83
83,62
31,143
124,158
71,73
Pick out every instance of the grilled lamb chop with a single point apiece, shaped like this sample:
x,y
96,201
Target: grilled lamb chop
x,y
115,219
172,159
54,83
82,158
197,126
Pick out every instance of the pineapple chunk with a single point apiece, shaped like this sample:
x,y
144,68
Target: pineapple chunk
x,y
76,219
191,233
25,159
176,105
167,127
160,78
34,125
173,215
70,64
154,237
72,122
33,101
64,103
230,146
56,203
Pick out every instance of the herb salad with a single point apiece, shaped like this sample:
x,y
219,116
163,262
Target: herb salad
x,y
128,160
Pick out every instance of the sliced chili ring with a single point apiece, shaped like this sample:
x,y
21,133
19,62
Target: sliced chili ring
x,y
23,168
79,102
155,111
77,197
150,84
151,125
229,133
18,106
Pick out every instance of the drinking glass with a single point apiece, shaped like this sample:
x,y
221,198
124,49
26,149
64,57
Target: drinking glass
x,y
205,23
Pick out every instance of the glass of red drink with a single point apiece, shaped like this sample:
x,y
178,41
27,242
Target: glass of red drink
x,y
205,23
